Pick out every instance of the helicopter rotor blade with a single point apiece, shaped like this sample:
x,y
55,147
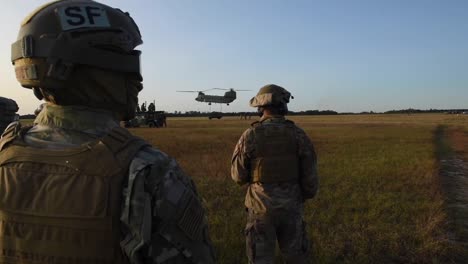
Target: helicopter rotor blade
x,y
230,89
209,89
224,89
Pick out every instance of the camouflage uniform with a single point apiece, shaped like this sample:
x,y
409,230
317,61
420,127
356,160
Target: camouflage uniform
x,y
275,210
145,194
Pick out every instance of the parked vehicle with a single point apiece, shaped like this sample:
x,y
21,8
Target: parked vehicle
x,y
150,119
217,115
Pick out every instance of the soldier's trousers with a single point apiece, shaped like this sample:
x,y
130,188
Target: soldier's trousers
x,y
285,226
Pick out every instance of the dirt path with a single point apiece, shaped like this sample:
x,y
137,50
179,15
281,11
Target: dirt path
x,y
452,152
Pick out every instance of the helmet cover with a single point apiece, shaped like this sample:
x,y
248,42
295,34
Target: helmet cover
x,y
271,95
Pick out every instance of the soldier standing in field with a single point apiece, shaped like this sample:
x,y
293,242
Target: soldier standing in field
x,y
76,187
278,162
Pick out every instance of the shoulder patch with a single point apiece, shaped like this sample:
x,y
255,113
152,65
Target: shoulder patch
x,y
75,16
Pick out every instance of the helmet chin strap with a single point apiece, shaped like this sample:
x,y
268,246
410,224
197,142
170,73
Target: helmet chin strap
x,y
284,109
37,92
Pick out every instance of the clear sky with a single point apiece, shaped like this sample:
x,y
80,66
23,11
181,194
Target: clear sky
x,y
340,55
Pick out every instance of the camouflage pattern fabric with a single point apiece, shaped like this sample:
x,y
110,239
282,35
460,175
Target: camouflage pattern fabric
x,y
144,206
150,171
286,226
268,203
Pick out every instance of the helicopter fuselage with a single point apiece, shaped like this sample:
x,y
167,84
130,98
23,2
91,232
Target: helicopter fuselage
x,y
227,98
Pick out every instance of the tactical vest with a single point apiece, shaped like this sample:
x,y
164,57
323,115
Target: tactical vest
x,y
276,159
63,206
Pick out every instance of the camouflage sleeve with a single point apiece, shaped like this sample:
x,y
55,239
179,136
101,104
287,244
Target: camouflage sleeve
x,y
308,165
162,219
240,162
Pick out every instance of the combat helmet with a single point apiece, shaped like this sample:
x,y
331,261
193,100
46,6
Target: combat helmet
x,y
61,41
8,109
271,95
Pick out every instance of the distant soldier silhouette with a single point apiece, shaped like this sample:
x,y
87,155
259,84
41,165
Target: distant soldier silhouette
x,y
164,122
76,187
151,107
245,115
278,162
242,115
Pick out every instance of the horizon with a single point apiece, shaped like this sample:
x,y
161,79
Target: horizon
x,y
305,112
331,55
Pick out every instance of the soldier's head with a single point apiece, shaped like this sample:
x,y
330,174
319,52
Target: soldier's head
x,y
272,98
80,52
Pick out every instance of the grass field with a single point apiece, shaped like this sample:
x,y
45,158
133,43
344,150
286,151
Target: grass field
x,y
380,198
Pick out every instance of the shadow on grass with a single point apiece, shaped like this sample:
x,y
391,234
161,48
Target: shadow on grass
x,y
441,141
453,172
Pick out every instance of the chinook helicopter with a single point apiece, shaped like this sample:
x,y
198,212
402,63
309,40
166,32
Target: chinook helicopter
x,y
227,98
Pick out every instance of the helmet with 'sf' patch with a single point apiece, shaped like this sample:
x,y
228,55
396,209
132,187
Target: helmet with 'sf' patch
x,y
63,34
80,52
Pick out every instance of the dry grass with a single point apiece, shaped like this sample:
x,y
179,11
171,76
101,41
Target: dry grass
x,y
459,141
380,199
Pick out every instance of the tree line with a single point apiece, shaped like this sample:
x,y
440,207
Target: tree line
x,y
151,108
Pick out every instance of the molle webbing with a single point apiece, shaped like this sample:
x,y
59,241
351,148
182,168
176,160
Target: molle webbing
x,y
65,207
276,154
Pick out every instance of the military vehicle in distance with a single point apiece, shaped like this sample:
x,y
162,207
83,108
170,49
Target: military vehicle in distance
x,y
150,119
217,115
8,109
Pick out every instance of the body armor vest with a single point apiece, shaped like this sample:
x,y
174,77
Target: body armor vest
x,y
63,206
276,158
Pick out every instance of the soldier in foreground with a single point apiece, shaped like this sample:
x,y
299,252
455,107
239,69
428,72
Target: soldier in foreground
x,y
76,187
278,162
